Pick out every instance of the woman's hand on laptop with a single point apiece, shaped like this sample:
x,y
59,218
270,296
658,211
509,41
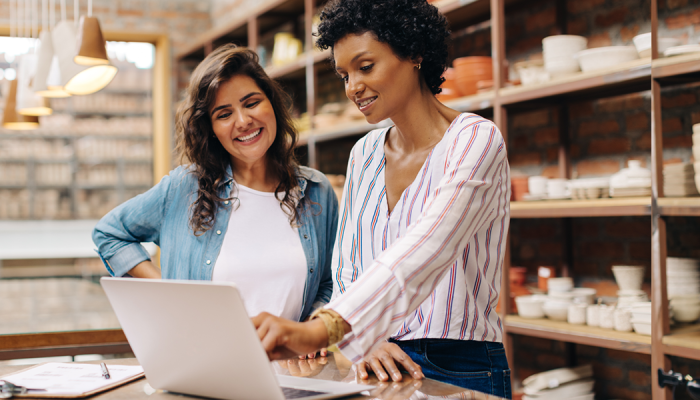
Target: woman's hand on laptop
x,y
282,338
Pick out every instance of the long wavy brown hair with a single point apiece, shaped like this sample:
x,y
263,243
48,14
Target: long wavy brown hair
x,y
197,144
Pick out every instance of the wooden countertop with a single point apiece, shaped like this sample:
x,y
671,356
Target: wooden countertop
x,y
335,367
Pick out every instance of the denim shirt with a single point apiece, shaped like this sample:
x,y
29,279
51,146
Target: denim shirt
x,y
162,215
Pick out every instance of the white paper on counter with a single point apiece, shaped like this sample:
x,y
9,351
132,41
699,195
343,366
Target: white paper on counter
x,y
71,378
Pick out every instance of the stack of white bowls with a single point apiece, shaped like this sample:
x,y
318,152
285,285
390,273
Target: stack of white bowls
x,y
560,298
629,279
641,317
696,154
683,285
558,53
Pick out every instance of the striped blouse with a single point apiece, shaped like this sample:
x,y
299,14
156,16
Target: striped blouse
x,y
432,267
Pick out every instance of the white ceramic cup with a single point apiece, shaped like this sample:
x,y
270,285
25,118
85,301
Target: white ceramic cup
x,y
577,314
607,319
593,315
537,185
622,320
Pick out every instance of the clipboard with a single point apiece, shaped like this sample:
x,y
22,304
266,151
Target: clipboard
x,y
83,376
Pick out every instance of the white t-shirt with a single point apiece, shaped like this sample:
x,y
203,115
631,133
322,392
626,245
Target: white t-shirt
x,y
262,254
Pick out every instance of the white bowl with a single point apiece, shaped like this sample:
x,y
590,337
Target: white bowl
x,y
642,327
680,263
584,295
696,128
567,44
556,310
686,312
530,306
643,44
562,296
556,69
563,284
628,277
605,57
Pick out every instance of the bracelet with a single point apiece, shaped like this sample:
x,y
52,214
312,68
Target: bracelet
x,y
333,322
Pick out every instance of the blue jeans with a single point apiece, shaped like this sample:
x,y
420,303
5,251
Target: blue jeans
x,y
475,365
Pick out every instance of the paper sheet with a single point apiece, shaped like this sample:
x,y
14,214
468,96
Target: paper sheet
x,y
71,378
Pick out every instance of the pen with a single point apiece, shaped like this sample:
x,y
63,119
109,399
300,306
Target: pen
x,y
105,371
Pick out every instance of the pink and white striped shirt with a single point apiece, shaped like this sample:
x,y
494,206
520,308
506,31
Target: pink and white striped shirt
x,y
432,267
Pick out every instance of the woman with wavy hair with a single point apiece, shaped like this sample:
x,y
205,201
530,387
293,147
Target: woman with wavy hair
x,y
424,215
242,209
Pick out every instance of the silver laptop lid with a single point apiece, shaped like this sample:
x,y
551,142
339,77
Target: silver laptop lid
x,y
193,337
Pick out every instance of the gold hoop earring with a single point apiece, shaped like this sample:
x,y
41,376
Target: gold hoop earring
x,y
418,66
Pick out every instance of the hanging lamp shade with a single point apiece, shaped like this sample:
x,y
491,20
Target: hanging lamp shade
x,y
47,78
28,102
78,79
13,120
92,45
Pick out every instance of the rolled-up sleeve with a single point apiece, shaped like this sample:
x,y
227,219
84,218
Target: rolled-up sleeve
x,y
119,234
405,274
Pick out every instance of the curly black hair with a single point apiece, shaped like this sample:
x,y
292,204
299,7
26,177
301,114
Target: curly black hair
x,y
412,28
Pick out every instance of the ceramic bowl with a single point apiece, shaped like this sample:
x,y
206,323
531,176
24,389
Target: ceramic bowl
x,y
531,306
584,295
642,327
628,277
605,57
563,44
563,284
556,310
643,44
686,312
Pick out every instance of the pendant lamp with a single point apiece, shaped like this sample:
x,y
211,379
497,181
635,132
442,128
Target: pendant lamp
x,y
47,79
93,47
78,79
13,120
28,102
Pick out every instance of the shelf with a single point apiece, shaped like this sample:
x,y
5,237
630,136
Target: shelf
x,y
35,160
618,207
625,78
345,130
474,103
73,136
580,334
678,69
679,206
106,113
684,342
296,69
112,187
96,161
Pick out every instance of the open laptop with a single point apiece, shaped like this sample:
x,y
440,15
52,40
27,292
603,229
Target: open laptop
x,y
195,337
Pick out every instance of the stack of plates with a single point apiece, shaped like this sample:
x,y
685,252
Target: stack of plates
x,y
641,317
682,276
679,180
562,383
631,181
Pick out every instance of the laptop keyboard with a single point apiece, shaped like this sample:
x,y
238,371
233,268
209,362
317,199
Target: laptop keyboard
x,y
291,393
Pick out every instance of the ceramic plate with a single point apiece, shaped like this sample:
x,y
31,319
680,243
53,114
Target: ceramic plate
x,y
685,49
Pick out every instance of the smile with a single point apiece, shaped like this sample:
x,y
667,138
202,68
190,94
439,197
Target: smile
x,y
250,137
366,103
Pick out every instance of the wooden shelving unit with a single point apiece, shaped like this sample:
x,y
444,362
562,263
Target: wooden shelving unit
x,y
636,76
684,342
617,207
579,334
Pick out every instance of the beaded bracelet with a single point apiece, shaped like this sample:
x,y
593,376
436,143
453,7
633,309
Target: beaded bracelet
x,y
334,324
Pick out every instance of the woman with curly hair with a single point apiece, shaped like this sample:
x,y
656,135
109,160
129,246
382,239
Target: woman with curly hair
x,y
242,210
424,216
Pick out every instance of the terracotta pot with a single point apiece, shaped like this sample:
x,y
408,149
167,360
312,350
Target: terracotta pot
x,y
469,71
449,87
519,187
517,275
